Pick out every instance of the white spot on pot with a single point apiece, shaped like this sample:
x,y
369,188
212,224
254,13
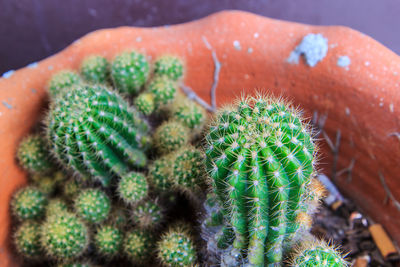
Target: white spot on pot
x,y
8,74
236,45
343,61
138,39
33,65
256,35
347,110
6,104
391,107
50,67
313,47
367,63
250,50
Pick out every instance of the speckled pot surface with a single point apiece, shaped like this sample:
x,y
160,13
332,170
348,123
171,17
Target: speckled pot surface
x,y
356,85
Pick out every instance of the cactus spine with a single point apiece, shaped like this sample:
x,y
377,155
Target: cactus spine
x,y
93,205
94,131
28,203
260,156
95,69
33,154
27,239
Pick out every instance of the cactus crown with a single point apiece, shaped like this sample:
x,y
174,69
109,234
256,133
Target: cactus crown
x,y
147,215
170,136
260,156
93,205
138,246
163,90
189,114
27,239
28,203
132,187
62,80
160,173
145,103
56,206
93,130
108,240
188,168
33,155
95,69
170,66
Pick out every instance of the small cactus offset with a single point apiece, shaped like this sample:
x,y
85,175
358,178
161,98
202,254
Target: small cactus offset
x,y
138,246
56,206
33,154
28,203
93,205
171,136
317,254
132,187
145,103
95,69
260,156
62,81
160,173
64,236
95,131
130,71
147,215
169,66
176,248
108,240
27,240
164,91
189,113
71,188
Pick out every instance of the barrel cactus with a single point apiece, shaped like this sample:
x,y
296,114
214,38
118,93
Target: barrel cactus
x,y
95,69
145,103
108,240
28,203
164,91
170,66
170,136
93,130
27,239
33,154
93,205
260,156
133,187
63,80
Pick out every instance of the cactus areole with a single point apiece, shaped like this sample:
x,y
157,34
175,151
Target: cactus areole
x,y
260,156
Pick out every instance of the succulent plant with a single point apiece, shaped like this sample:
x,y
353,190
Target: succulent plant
x,y
108,240
164,91
132,187
260,156
94,131
64,236
170,136
189,113
27,239
130,71
170,66
93,205
147,215
176,248
28,203
47,184
160,173
138,246
118,217
188,168
145,103
317,254
71,188
33,154
63,80
56,206
95,69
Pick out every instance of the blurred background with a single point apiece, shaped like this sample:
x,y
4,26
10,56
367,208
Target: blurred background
x,y
31,30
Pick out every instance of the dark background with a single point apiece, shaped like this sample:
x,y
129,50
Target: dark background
x,y
31,30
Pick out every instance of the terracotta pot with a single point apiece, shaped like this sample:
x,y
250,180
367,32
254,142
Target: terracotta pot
x,y
361,100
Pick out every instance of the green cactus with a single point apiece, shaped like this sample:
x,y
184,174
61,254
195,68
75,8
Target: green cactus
x,y
46,184
170,136
93,205
130,71
147,215
64,236
188,168
260,156
108,240
176,248
160,173
145,103
94,131
138,246
71,188
118,217
170,66
317,254
133,187
189,113
28,203
64,79
56,206
164,91
33,154
95,69
27,239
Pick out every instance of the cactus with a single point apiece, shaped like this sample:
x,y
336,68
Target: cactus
x,y
147,215
160,173
95,69
76,264
27,240
189,113
108,240
170,136
133,187
138,246
145,103
317,254
94,131
64,236
170,66
93,205
56,206
28,203
46,184
260,156
164,91
130,71
64,79
176,248
188,168
71,188
118,217
33,154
